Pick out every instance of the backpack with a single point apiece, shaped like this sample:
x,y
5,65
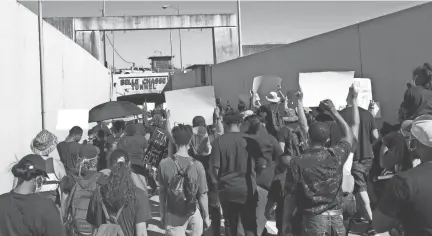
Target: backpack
x,y
77,206
111,227
181,194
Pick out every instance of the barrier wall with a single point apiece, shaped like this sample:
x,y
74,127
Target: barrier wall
x,y
385,49
73,80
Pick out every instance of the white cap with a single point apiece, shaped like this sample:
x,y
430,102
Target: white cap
x,y
422,131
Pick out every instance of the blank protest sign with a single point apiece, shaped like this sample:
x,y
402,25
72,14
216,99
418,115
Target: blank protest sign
x,y
318,86
68,118
185,104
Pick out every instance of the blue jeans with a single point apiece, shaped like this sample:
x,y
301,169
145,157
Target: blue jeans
x,y
324,225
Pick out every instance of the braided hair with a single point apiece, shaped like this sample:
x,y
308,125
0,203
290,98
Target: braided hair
x,y
120,190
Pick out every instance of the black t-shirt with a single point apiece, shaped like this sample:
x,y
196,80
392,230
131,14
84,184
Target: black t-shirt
x,y
137,211
233,154
417,102
68,152
29,214
408,198
364,149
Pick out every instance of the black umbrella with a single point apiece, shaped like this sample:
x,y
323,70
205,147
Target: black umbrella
x,y
112,110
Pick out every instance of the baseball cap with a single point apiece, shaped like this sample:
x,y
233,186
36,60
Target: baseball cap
x,y
37,161
422,131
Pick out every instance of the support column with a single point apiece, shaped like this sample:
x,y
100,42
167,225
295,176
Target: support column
x,y
91,41
225,44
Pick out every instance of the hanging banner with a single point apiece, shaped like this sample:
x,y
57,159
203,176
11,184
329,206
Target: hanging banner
x,y
364,88
157,149
129,84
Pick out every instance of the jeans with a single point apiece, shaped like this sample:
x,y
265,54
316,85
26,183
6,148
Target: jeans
x,y
324,224
261,220
214,209
181,226
232,211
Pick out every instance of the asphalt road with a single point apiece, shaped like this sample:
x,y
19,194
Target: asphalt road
x,y
153,227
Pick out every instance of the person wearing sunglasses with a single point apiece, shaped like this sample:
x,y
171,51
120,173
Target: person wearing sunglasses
x,y
408,194
24,212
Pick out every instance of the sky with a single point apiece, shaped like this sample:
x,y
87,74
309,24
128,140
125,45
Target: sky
x,y
261,22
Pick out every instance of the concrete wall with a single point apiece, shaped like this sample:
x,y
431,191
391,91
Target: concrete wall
x,y
256,48
73,80
385,49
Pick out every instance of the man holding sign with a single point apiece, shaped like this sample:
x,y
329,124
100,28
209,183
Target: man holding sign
x,y
363,156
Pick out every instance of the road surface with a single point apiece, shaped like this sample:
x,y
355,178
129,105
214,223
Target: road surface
x,y
154,230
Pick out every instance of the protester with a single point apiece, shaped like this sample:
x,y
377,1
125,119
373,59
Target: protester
x,y
100,143
270,114
200,147
26,213
363,156
120,198
418,99
100,126
68,149
232,171
117,132
408,195
394,153
133,143
44,144
314,179
84,184
294,145
189,210
265,165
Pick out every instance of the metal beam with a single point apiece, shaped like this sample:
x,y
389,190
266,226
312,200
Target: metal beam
x,y
122,23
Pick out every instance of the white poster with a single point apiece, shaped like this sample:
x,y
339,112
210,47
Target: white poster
x,y
185,104
68,118
263,85
129,84
318,86
364,88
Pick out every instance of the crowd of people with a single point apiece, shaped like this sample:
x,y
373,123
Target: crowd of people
x,y
316,171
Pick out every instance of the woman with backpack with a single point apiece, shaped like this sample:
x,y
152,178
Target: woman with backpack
x,y
25,213
119,207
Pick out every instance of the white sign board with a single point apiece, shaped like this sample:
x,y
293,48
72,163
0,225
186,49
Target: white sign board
x,y
68,118
364,88
318,86
185,104
265,84
129,84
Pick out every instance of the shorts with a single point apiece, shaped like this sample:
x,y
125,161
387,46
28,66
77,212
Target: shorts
x,y
360,171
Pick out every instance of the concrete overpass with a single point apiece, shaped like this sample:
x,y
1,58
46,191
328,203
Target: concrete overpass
x,y
86,31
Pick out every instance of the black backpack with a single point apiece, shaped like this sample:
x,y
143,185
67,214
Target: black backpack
x,y
181,194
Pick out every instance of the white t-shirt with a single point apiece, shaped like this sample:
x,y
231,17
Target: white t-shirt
x,y
348,164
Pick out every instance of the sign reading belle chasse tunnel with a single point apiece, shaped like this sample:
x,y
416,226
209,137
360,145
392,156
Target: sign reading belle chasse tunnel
x,y
139,84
